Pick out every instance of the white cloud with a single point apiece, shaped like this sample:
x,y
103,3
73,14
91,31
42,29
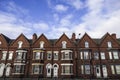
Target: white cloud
x,y
40,26
77,4
60,7
66,21
98,21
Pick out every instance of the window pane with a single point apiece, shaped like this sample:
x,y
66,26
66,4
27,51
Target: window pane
x,y
10,56
67,69
110,55
86,56
82,69
49,56
109,44
96,55
4,54
55,56
87,69
81,55
117,69
86,44
102,55
64,44
112,69
115,55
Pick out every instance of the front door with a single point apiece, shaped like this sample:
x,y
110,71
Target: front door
x,y
49,68
98,74
55,71
8,71
104,71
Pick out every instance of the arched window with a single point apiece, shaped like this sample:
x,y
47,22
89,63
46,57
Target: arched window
x,y
20,44
86,44
64,43
41,44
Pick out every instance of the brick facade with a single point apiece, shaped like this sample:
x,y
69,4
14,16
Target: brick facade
x,y
62,58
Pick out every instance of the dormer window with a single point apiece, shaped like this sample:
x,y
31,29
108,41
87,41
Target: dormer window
x,y
86,44
20,44
41,44
109,44
64,44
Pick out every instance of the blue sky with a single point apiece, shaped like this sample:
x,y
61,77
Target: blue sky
x,y
55,17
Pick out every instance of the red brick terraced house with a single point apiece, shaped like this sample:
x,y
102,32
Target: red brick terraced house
x,y
40,57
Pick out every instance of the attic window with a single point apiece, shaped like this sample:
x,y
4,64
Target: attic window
x,y
64,44
20,44
109,44
86,44
42,44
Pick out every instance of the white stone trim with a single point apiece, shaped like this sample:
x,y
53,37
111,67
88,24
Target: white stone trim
x,y
66,64
18,64
37,64
66,51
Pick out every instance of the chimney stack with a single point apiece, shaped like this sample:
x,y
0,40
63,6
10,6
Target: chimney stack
x,y
73,37
34,37
113,36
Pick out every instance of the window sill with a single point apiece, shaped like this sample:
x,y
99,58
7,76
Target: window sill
x,y
66,59
17,73
66,73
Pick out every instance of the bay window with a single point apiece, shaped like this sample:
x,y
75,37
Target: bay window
x,y
85,69
19,68
66,54
67,69
85,55
37,69
37,55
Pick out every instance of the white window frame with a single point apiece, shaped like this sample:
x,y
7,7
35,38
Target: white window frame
x,y
115,55
86,44
4,55
42,44
110,55
67,69
64,44
56,55
96,55
39,55
67,54
49,55
10,55
109,44
102,55
117,69
20,43
37,68
112,69
18,69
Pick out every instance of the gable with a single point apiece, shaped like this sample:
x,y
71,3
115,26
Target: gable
x,y
87,38
3,40
44,39
58,43
107,37
20,38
